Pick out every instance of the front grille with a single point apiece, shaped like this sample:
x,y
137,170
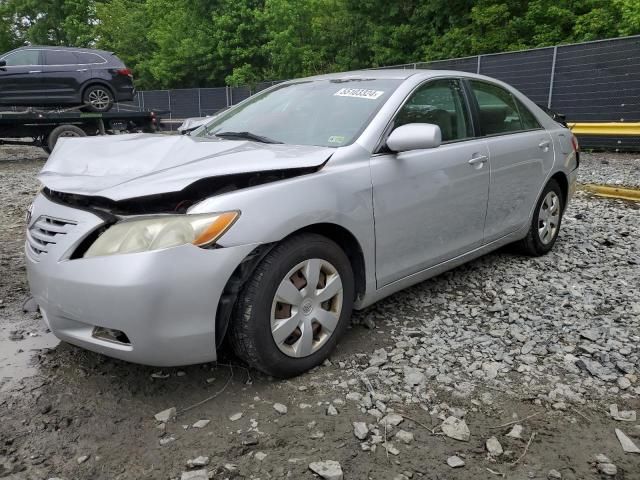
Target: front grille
x,y
46,232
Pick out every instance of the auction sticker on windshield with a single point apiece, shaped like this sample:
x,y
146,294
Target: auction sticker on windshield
x,y
359,93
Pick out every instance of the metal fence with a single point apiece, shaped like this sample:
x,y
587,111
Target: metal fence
x,y
588,82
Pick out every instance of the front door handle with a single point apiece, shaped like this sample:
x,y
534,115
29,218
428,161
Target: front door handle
x,y
82,70
35,71
478,160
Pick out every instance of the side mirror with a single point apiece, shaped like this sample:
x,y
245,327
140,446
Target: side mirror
x,y
3,63
414,136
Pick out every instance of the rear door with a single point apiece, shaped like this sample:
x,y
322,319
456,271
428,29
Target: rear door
x,y
521,152
20,77
430,205
63,75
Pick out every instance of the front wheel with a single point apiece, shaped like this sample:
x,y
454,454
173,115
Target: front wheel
x,y
546,221
294,309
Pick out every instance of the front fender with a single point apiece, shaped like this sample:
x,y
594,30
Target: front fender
x,y
339,193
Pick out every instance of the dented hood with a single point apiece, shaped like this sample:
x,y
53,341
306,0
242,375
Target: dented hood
x,y
128,166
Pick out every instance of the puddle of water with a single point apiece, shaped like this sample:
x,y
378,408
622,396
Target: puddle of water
x,y
16,357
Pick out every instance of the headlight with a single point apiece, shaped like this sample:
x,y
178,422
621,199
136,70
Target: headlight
x,y
154,233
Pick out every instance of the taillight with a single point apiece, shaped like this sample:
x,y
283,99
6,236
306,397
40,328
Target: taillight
x,y
574,143
126,72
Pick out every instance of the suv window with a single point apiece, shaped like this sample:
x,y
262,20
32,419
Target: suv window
x,y
439,102
60,57
86,58
498,111
23,57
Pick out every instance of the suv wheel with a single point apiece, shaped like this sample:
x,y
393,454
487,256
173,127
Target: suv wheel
x,y
294,309
97,98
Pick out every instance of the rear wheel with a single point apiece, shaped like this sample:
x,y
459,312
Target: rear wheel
x,y
546,221
293,310
62,131
98,98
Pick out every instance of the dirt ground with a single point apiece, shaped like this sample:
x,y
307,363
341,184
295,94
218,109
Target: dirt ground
x,y
60,404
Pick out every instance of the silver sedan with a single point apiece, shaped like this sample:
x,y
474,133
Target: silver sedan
x,y
268,224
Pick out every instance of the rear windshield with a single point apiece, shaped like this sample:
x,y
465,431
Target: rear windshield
x,y
328,113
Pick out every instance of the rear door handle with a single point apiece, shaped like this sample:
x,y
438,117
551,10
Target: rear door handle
x,y
35,71
82,70
478,160
544,145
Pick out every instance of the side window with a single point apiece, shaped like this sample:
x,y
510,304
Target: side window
x,y
23,57
442,103
498,110
87,58
60,57
529,121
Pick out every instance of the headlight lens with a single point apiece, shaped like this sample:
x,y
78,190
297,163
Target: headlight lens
x,y
154,233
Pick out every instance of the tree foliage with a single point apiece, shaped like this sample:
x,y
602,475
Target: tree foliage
x,y
172,44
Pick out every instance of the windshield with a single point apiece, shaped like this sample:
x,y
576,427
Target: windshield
x,y
328,113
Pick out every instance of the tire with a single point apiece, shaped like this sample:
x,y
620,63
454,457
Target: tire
x,y
97,98
62,131
548,213
257,309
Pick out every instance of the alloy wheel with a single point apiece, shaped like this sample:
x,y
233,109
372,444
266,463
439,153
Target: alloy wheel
x,y
306,308
549,218
99,98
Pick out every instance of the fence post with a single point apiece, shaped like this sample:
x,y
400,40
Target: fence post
x,y
169,97
199,107
553,75
142,98
479,63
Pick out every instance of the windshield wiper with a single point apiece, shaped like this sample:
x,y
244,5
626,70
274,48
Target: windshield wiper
x,y
246,136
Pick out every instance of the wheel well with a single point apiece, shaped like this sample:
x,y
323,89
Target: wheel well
x,y
561,178
349,244
242,273
93,83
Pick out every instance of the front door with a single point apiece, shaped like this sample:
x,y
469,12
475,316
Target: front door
x,y
20,77
430,205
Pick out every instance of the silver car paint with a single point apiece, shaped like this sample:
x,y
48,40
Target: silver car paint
x,y
175,292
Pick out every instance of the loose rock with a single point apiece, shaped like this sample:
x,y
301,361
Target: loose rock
x,y
493,447
327,469
166,415
455,428
280,408
455,462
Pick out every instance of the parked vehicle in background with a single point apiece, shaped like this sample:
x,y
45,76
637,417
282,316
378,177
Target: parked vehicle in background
x,y
59,76
266,226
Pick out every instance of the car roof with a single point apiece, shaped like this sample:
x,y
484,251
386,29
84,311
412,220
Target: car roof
x,y
392,73
56,47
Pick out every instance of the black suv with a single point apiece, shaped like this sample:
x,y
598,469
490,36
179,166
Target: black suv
x,y
60,76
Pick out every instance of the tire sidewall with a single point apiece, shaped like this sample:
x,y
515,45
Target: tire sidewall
x,y
287,258
541,247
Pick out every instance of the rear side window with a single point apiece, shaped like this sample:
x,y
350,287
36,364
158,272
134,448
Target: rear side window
x,y
529,121
23,57
498,111
88,58
60,57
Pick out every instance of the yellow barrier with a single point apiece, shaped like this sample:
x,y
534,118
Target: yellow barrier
x,y
605,129
612,192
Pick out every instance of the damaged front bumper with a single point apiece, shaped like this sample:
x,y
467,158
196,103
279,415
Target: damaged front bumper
x,y
163,302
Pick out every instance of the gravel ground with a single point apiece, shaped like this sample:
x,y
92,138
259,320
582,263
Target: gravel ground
x,y
619,169
509,365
